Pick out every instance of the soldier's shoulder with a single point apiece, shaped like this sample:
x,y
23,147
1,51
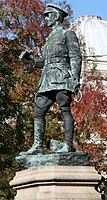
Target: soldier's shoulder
x,y
69,31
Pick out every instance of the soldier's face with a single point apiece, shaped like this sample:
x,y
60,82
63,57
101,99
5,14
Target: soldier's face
x,y
50,19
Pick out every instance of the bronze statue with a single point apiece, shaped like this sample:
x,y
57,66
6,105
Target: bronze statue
x,y
61,63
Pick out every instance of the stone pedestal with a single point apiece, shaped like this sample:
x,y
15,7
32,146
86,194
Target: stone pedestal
x,y
57,183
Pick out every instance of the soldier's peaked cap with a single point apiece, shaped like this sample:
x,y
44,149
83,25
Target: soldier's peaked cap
x,y
52,7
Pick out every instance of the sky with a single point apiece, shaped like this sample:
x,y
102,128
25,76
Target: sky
x,y
89,7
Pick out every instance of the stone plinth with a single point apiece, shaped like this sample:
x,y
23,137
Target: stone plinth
x,y
57,183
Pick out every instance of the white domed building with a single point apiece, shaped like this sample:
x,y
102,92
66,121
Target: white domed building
x,y
92,34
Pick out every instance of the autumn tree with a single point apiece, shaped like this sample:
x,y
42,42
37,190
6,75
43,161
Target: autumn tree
x,y
90,117
21,26
91,113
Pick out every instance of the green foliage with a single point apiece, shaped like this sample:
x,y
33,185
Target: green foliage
x,y
54,127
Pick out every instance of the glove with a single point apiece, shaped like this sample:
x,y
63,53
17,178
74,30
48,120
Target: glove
x,y
77,88
77,94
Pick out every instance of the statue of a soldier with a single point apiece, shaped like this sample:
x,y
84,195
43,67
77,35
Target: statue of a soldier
x,y
61,63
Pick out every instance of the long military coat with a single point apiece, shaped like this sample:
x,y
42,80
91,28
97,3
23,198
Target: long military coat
x,y
61,61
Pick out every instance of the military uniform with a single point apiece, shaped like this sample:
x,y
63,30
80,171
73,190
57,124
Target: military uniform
x,y
61,60
61,63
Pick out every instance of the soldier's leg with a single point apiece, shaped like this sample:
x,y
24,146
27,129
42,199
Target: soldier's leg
x,y
63,99
42,104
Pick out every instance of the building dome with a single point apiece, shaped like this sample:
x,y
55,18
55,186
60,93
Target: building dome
x,y
93,30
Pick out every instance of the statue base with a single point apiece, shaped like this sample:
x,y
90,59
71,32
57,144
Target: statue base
x,y
57,183
65,159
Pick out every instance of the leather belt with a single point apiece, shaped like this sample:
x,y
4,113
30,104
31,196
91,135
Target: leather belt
x,y
56,60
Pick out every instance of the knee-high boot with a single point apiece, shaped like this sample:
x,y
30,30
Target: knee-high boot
x,y
69,130
37,147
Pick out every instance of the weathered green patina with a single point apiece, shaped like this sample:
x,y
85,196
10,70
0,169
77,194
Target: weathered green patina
x,y
61,61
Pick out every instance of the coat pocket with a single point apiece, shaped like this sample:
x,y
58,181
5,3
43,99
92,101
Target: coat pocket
x,y
59,75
